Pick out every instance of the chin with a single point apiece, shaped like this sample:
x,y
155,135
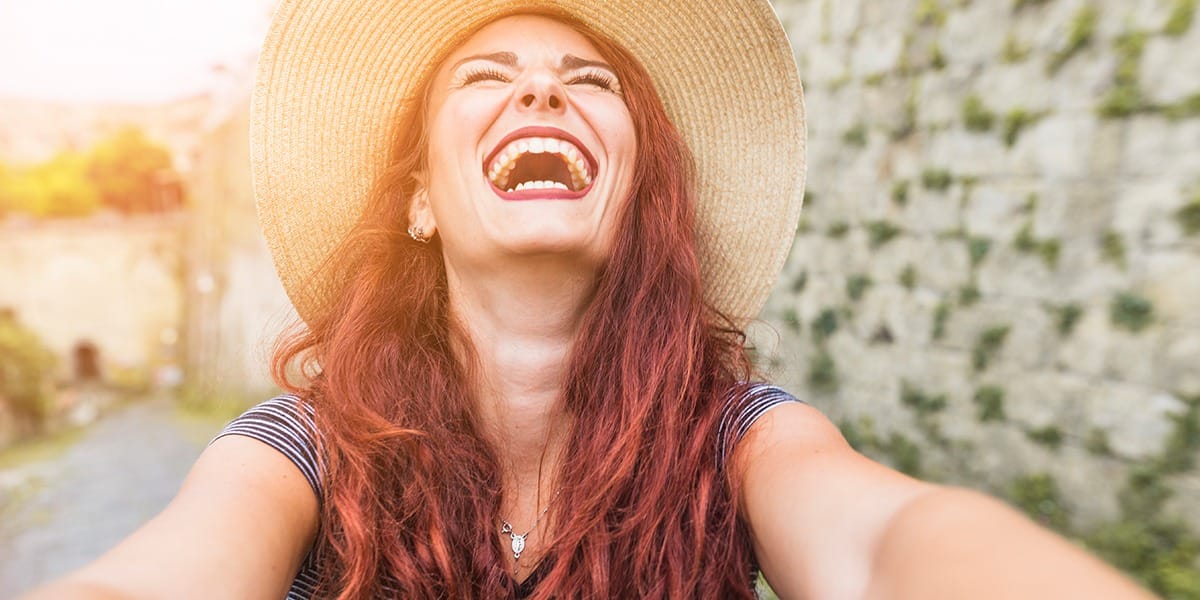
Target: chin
x,y
585,250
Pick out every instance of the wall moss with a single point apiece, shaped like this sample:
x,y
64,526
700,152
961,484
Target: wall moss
x,y
1049,436
908,277
1112,248
857,286
1131,311
976,116
1180,21
1066,317
1079,34
1188,216
825,325
989,404
987,345
880,233
937,180
1126,98
1016,121
823,373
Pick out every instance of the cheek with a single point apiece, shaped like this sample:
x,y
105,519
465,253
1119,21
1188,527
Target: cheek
x,y
623,138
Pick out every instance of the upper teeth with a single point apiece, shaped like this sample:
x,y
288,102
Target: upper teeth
x,y
502,165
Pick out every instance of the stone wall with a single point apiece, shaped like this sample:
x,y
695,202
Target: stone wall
x,y
996,280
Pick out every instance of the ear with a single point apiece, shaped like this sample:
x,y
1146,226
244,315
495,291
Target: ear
x,y
420,214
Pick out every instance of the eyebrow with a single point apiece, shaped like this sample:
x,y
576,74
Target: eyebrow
x,y
505,58
570,62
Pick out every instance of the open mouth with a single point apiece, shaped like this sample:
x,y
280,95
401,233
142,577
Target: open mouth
x,y
540,162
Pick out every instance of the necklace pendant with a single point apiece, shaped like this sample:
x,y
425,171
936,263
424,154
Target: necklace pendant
x,y
518,545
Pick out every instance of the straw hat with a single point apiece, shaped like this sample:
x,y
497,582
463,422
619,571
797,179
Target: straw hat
x,y
333,72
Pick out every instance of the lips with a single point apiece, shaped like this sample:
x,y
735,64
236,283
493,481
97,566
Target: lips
x,y
553,164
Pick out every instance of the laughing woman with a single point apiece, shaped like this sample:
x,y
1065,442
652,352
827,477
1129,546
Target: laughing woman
x,y
524,238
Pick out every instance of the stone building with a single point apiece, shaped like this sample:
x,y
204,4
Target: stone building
x,y
150,299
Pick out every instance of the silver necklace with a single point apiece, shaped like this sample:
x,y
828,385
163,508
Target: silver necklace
x,y
518,539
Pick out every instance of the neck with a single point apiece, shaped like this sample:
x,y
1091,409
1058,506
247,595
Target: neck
x,y
521,322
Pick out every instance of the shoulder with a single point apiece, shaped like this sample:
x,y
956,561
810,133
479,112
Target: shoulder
x,y
743,405
286,424
815,507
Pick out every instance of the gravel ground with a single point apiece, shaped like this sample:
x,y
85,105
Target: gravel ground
x,y
58,514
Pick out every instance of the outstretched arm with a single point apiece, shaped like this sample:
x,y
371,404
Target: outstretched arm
x,y
238,528
830,523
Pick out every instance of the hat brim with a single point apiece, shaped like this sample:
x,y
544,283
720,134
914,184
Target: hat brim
x,y
333,74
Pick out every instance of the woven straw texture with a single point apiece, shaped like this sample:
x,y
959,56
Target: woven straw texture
x,y
334,76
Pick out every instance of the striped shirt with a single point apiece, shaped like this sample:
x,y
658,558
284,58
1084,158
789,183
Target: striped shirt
x,y
286,424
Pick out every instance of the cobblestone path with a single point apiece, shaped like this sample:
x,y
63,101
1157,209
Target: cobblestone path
x,y
59,514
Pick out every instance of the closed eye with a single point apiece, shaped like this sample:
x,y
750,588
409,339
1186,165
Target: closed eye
x,y
597,79
483,75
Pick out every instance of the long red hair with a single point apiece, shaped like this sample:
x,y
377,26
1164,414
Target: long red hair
x,y
412,488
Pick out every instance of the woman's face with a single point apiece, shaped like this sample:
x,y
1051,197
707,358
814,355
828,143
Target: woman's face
x,y
531,147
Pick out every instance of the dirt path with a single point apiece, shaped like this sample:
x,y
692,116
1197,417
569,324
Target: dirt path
x,y
58,514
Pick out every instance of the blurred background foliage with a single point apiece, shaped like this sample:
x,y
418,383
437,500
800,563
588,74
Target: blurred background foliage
x,y
26,373
120,173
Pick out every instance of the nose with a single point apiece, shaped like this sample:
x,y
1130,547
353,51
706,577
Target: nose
x,y
540,91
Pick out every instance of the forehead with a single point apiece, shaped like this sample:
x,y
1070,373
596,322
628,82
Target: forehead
x,y
526,35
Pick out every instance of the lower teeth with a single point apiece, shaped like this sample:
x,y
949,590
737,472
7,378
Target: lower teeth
x,y
541,185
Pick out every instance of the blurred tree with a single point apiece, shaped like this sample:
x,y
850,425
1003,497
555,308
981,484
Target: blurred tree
x,y
133,174
59,187
26,371
6,177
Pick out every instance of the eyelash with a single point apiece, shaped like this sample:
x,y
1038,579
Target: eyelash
x,y
483,74
598,79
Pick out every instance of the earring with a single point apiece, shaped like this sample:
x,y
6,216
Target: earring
x,y
418,234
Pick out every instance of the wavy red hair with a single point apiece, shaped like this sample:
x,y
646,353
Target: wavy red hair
x,y
412,488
